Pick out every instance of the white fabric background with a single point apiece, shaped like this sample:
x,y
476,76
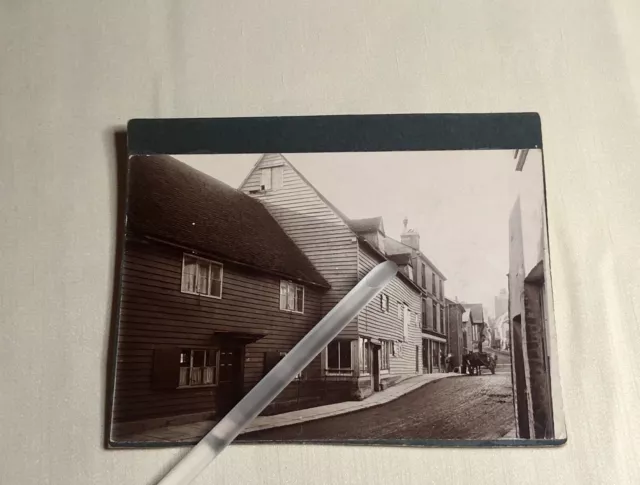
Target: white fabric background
x,y
72,71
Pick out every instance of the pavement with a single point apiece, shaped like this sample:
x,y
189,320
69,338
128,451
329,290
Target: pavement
x,y
466,408
195,431
330,410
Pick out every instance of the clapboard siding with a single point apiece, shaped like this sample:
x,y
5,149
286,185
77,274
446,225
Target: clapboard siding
x,y
315,228
374,323
155,312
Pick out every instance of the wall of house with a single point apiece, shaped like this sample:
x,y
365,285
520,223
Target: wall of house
x,y
419,270
430,321
435,323
155,312
538,362
429,275
528,188
374,323
317,230
519,361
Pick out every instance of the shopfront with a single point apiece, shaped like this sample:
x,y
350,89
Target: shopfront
x,y
434,353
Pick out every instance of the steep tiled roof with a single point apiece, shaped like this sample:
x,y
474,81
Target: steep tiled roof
x,y
176,203
366,225
400,259
392,246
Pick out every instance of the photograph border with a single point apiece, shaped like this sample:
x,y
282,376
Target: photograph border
x,y
327,134
335,133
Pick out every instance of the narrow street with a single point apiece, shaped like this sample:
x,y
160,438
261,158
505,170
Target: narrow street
x,y
467,407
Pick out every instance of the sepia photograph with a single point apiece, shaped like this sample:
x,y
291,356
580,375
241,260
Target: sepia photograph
x,y
230,260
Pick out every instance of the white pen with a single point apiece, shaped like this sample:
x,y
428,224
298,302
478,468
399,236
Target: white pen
x,y
280,376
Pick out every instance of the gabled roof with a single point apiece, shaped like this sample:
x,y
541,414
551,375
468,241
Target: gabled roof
x,y
370,224
338,212
349,222
173,202
476,311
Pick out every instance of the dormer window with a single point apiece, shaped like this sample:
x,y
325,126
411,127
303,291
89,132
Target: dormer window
x,y
271,178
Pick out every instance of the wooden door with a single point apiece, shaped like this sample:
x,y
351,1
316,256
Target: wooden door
x,y
230,382
375,367
425,356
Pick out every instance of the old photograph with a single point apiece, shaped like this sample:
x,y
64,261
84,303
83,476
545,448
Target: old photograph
x,y
229,260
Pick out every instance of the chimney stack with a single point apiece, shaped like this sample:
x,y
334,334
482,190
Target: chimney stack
x,y
410,237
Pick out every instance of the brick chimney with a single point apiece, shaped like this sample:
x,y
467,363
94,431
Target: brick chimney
x,y
410,237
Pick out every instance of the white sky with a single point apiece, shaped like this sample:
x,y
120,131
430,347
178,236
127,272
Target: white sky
x,y
459,202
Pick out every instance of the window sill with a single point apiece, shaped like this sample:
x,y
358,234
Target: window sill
x,y
292,311
201,294
199,386
333,373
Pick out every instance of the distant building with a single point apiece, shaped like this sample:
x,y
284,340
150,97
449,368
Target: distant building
x,y
466,332
490,332
477,326
455,337
501,303
528,308
502,332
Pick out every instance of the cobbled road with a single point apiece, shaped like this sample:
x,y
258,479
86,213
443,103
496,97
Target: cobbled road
x,y
466,407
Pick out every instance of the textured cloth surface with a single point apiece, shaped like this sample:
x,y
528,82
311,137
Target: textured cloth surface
x,y
74,71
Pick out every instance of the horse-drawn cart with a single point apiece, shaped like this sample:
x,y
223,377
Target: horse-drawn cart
x,y
474,361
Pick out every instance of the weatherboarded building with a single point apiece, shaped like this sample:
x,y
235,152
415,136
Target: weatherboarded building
x,y
214,292
529,302
383,344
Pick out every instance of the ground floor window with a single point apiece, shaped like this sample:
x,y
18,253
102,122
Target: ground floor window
x,y
365,355
435,353
339,357
385,354
198,367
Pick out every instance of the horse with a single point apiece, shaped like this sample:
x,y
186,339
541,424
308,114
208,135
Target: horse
x,y
476,360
